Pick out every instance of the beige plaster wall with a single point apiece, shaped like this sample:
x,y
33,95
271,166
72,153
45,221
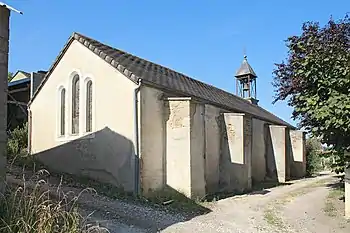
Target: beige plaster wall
x,y
152,139
258,150
276,153
297,154
235,164
108,154
178,146
185,147
180,140
197,137
248,146
4,49
212,147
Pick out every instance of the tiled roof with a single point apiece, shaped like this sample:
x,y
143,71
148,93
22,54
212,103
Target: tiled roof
x,y
136,68
245,69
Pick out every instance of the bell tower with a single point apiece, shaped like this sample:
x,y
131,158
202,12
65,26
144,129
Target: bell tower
x,y
246,82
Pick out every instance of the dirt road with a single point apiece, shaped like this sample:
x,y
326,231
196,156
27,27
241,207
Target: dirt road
x,y
300,207
306,206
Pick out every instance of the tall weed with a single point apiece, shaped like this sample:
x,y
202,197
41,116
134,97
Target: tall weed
x,y
31,207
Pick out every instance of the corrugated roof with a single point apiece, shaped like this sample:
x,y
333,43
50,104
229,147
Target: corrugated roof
x,y
17,82
136,68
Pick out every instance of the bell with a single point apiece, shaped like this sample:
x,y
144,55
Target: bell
x,y
245,87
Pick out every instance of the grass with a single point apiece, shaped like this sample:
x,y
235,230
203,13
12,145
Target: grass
x,y
334,195
337,193
272,218
330,209
30,207
175,201
179,201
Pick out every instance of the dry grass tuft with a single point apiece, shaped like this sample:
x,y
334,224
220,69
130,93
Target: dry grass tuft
x,y
30,207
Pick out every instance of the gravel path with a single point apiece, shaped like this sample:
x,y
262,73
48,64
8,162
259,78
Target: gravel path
x,y
305,212
308,213
291,208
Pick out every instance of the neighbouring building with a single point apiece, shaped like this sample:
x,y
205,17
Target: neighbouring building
x,y
20,90
117,118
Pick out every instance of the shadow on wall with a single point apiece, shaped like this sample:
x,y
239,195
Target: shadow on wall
x,y
107,157
297,168
171,197
270,157
234,176
233,164
104,156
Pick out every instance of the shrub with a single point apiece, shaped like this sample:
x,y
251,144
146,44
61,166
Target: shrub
x,y
313,159
17,141
12,148
32,208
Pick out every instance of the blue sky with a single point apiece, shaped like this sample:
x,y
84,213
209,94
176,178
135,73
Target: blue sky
x,y
201,38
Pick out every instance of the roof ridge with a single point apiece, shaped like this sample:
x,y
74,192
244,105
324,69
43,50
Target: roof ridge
x,y
137,56
185,76
135,68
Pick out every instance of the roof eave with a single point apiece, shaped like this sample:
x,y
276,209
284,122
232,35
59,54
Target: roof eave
x,y
50,70
145,82
76,36
130,75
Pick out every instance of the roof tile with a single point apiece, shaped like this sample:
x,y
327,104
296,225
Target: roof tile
x,y
137,68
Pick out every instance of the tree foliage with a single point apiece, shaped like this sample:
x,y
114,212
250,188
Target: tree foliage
x,y
9,76
315,80
313,159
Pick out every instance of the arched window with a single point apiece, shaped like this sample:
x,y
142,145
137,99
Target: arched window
x,y
88,118
62,111
75,104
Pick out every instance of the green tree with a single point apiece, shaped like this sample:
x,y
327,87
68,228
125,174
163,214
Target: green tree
x,y
313,159
315,81
9,76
